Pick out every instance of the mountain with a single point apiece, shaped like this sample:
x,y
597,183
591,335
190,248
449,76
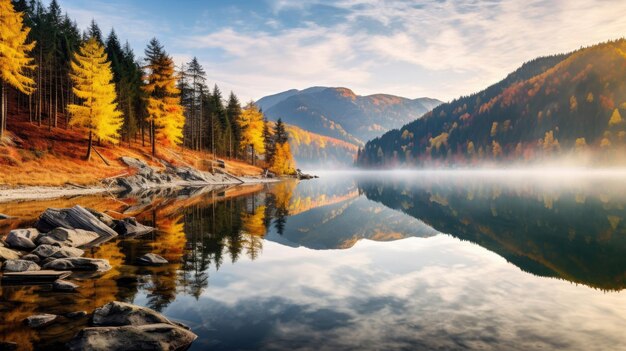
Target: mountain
x,y
552,107
341,114
327,125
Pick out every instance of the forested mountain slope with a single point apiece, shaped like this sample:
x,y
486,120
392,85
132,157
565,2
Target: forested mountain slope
x,y
563,105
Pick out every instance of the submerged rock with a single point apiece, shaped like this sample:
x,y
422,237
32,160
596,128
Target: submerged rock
x,y
118,313
78,264
22,238
151,259
20,266
143,337
40,320
76,217
68,237
64,286
8,254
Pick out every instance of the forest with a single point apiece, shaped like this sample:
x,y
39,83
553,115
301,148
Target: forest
x,y
58,77
561,107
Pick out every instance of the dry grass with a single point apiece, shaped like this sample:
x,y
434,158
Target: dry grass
x,y
33,155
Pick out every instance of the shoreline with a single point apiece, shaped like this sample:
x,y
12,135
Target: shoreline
x,y
29,193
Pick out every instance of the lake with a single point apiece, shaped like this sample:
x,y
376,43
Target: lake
x,y
405,260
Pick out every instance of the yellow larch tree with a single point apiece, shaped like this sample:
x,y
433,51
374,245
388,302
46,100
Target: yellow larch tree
x,y
165,113
283,162
14,58
251,125
92,77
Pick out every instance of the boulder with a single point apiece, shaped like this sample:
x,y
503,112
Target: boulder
x,y
20,266
64,286
32,257
151,259
103,217
8,254
78,264
143,337
55,251
40,320
118,313
68,237
130,226
76,217
22,238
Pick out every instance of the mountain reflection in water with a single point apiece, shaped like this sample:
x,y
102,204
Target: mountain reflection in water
x,y
285,266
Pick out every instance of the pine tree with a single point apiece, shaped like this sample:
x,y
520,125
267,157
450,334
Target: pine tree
x,y
14,56
165,113
92,77
251,124
280,134
269,141
233,111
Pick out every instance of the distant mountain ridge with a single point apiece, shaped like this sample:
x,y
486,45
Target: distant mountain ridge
x,y
556,107
329,124
340,113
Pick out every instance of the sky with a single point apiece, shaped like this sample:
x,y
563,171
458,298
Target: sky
x,y
434,48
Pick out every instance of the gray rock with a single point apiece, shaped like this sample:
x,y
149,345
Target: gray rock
x,y
68,237
22,238
103,217
73,218
31,257
76,314
151,259
118,313
144,337
64,286
20,266
55,251
40,320
130,226
78,264
8,254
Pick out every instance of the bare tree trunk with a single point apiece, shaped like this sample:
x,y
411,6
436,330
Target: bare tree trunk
x,y
2,115
88,157
153,138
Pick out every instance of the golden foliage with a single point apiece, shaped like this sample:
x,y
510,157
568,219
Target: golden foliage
x,y
550,143
164,108
251,124
581,144
616,118
496,149
441,139
92,76
283,162
14,58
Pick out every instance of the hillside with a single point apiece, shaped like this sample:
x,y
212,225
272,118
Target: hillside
x,y
312,150
32,155
340,113
552,107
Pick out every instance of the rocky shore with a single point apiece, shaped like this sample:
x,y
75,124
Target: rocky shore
x,y
143,177
51,251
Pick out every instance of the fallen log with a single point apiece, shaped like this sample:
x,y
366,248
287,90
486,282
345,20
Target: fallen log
x,y
33,277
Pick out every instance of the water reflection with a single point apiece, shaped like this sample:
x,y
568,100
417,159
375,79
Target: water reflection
x,y
286,266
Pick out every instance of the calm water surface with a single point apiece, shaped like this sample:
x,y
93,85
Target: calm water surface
x,y
430,260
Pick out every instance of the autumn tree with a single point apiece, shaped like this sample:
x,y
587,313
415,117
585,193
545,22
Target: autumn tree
x,y
165,114
251,124
282,161
92,77
14,56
